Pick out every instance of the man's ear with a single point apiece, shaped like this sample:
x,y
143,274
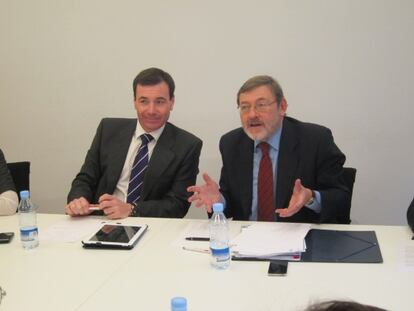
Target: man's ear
x,y
283,106
172,103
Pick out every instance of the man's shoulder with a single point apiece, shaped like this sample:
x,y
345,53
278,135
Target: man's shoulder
x,y
234,135
304,128
118,121
117,124
180,134
235,140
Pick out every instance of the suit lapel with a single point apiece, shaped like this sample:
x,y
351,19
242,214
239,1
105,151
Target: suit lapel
x,y
161,158
288,161
119,153
245,174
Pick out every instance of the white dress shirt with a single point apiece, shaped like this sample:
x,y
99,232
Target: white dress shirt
x,y
121,189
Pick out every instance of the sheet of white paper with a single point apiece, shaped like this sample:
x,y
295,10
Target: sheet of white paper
x,y
262,239
72,229
406,262
196,228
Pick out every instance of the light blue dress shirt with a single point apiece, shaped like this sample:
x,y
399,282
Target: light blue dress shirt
x,y
274,142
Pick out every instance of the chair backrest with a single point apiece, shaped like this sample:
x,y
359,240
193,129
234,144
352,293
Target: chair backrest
x,y
349,176
20,172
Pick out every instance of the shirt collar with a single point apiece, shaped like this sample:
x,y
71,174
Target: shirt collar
x,y
155,134
274,140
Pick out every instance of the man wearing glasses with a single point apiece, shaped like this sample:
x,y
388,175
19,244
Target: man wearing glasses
x,y
140,166
275,167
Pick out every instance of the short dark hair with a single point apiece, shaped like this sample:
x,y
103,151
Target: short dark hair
x,y
257,81
337,305
153,76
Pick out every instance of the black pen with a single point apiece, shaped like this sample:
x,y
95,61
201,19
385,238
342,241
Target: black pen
x,y
195,238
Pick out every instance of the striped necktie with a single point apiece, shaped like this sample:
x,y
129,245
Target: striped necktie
x,y
138,170
266,208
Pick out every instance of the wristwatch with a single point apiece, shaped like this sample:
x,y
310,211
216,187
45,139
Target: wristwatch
x,y
311,200
134,209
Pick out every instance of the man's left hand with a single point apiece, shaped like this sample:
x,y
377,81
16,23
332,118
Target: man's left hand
x,y
300,196
113,207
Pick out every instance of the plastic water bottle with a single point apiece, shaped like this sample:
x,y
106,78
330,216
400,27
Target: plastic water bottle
x,y
178,304
219,238
27,220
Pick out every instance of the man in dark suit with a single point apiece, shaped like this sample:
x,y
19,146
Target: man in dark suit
x,y
276,167
170,156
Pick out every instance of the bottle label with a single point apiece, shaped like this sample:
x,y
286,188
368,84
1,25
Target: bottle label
x,y
28,234
221,254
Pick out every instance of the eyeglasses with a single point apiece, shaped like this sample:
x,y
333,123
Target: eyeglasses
x,y
260,106
2,294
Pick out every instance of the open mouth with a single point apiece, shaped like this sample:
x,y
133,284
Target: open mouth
x,y
255,124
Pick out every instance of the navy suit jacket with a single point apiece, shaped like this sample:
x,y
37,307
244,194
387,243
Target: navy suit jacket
x,y
307,151
173,167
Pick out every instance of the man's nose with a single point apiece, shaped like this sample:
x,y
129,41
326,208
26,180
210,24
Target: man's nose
x,y
252,113
152,108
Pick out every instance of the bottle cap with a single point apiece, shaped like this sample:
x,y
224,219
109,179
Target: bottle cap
x,y
24,194
218,207
179,304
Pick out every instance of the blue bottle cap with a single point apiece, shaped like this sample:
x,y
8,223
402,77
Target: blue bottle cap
x,y
24,194
218,207
179,304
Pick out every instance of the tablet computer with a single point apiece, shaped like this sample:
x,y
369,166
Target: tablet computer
x,y
115,236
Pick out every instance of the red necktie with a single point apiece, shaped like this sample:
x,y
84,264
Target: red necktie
x,y
266,207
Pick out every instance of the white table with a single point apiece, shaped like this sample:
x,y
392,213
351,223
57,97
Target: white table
x,y
64,276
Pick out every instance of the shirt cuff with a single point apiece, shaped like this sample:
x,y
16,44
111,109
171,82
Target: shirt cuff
x,y
316,206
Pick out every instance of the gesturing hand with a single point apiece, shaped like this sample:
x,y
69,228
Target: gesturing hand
x,y
206,194
300,196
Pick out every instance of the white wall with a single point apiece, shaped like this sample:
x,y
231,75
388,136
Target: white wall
x,y
345,64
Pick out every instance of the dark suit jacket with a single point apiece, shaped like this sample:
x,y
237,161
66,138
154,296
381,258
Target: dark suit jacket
x,y
307,151
172,168
6,181
410,215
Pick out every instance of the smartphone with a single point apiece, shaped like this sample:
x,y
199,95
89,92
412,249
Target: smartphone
x,y
6,237
278,268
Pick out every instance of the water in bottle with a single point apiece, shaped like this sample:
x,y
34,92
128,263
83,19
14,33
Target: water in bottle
x,y
27,220
219,238
178,304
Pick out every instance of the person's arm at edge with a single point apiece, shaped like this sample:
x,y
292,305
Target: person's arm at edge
x,y
8,203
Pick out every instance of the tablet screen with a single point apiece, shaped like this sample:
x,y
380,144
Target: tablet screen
x,y
115,234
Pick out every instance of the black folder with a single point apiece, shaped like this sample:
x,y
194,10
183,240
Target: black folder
x,y
342,246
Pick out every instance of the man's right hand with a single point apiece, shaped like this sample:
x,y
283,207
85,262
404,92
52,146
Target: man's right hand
x,y
78,207
206,194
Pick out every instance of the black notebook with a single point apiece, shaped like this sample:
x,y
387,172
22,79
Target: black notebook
x,y
342,246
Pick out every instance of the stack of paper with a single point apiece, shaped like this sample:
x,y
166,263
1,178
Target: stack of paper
x,y
271,241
